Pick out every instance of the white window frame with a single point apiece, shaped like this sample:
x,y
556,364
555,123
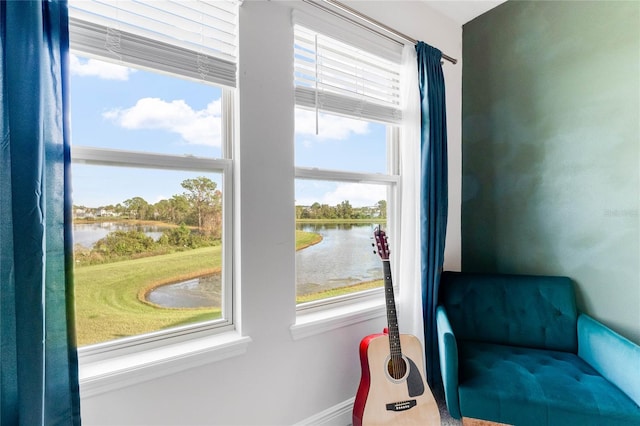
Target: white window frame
x,y
329,313
145,160
140,160
118,363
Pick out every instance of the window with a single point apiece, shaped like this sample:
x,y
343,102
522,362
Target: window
x,y
346,154
152,95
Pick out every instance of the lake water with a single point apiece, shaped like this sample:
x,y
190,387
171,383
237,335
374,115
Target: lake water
x,y
87,234
196,293
343,257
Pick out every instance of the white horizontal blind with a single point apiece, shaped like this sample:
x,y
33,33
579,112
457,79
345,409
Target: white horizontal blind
x,y
344,79
194,38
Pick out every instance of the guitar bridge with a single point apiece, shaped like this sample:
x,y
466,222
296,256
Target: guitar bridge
x,y
402,405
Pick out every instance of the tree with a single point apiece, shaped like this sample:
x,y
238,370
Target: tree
x,y
315,210
161,210
327,212
178,208
137,206
382,208
345,210
205,200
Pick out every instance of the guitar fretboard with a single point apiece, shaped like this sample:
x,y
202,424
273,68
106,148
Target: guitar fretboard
x,y
392,318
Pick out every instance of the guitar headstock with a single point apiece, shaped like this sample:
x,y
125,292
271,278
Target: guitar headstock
x,y
381,244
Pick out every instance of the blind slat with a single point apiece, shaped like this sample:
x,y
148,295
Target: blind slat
x,y
340,78
88,38
371,93
349,80
181,23
338,62
347,106
193,38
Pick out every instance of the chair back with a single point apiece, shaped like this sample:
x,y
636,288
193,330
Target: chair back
x,y
518,310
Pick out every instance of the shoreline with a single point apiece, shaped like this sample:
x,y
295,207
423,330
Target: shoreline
x,y
144,291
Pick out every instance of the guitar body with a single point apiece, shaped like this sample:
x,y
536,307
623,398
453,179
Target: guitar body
x,y
382,400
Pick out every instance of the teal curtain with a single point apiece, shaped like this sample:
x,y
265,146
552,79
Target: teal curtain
x,y
433,194
39,380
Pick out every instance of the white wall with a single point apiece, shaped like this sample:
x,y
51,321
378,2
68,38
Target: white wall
x,y
279,380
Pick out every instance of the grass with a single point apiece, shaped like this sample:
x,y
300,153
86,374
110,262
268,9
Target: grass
x,y
306,239
339,291
107,296
110,297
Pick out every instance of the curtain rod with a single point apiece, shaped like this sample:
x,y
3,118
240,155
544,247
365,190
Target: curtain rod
x,y
343,7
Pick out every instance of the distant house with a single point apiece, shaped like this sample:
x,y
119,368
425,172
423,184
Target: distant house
x,y
82,214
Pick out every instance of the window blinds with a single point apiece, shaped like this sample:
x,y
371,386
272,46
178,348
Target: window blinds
x,y
194,38
344,79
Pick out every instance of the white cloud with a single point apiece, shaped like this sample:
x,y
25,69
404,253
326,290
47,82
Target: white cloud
x,y
202,127
329,126
358,195
100,69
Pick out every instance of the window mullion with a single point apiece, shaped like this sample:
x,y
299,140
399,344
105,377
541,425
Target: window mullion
x,y
108,157
344,176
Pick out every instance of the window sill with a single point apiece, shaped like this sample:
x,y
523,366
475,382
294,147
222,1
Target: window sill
x,y
320,321
116,372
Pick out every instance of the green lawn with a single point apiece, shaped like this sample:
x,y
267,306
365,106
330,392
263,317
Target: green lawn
x,y
306,239
109,297
339,291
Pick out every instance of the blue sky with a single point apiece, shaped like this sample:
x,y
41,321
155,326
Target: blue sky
x,y
119,108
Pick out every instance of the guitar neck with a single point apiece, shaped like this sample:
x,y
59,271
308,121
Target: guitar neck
x,y
392,318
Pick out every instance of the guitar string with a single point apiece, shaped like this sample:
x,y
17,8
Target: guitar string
x,y
398,367
397,363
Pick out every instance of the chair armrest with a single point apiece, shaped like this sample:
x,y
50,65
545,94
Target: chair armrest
x,y
616,358
448,350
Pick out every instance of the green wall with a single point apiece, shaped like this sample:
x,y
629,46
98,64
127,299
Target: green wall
x,y
551,149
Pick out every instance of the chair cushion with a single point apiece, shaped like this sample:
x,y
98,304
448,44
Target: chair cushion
x,y
518,310
521,386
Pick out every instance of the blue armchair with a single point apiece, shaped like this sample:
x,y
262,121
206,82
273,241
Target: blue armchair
x,y
514,350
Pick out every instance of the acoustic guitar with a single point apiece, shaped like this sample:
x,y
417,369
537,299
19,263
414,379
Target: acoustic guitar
x,y
392,388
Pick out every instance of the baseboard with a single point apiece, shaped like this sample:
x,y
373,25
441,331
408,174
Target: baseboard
x,y
338,415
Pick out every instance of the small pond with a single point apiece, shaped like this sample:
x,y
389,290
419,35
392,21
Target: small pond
x,y
199,292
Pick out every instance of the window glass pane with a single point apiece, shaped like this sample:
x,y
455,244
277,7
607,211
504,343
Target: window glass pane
x,y
341,143
147,242
334,229
117,107
148,250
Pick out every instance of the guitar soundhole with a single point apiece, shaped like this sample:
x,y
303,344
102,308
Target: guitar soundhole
x,y
397,368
